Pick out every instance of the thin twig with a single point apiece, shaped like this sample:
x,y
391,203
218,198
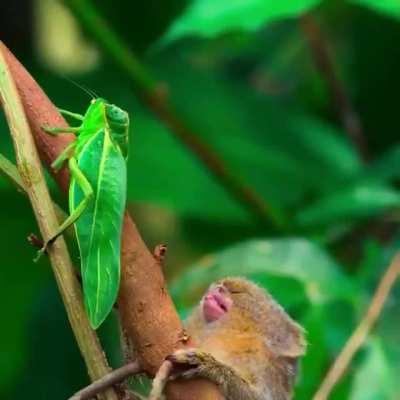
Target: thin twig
x,y
149,89
33,179
35,241
360,334
160,380
348,116
10,172
112,378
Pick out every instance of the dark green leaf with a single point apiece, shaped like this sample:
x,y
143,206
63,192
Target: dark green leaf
x,y
388,7
20,281
385,168
212,17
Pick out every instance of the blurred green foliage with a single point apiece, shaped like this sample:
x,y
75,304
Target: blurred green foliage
x,y
209,18
241,76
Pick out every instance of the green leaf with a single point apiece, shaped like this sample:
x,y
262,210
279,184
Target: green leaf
x,y
375,378
385,168
314,362
98,230
210,18
356,202
299,263
387,7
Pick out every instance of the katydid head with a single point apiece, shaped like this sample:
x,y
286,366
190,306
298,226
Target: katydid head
x,y
118,121
101,113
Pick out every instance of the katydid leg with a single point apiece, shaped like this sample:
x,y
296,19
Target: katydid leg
x,y
71,114
57,131
84,184
64,156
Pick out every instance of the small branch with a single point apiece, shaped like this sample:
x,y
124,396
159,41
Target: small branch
x,y
348,116
33,179
10,172
112,378
159,253
35,241
160,380
360,334
149,88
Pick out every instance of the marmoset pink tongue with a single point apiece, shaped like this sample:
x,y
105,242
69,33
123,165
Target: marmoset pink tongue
x,y
215,305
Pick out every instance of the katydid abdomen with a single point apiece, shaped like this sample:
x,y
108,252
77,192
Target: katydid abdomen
x,y
98,230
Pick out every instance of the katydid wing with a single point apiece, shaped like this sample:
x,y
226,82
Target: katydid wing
x,y
97,195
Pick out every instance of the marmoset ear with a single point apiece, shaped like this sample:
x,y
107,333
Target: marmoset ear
x,y
288,342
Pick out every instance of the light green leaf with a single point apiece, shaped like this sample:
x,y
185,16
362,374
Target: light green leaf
x,y
355,202
375,379
387,7
298,264
210,18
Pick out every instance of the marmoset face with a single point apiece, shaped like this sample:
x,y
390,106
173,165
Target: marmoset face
x,y
216,302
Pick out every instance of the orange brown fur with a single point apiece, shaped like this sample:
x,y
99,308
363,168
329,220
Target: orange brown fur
x,y
250,352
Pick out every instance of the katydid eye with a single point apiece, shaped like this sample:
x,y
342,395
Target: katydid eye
x,y
116,114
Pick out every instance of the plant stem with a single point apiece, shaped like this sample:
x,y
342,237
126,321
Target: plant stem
x,y
33,179
10,172
148,87
348,116
112,378
361,332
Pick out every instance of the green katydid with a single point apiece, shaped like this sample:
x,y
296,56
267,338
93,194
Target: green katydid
x,y
97,195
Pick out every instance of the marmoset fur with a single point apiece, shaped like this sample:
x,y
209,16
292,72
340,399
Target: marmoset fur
x,y
246,344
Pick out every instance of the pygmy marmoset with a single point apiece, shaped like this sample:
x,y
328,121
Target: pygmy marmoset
x,y
246,344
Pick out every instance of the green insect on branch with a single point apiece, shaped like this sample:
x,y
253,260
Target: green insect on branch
x,y
34,181
97,196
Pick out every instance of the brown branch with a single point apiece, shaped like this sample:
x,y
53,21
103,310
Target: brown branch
x,y
147,313
360,334
112,378
34,181
348,116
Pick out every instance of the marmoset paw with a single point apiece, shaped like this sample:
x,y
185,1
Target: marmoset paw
x,y
188,356
185,356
